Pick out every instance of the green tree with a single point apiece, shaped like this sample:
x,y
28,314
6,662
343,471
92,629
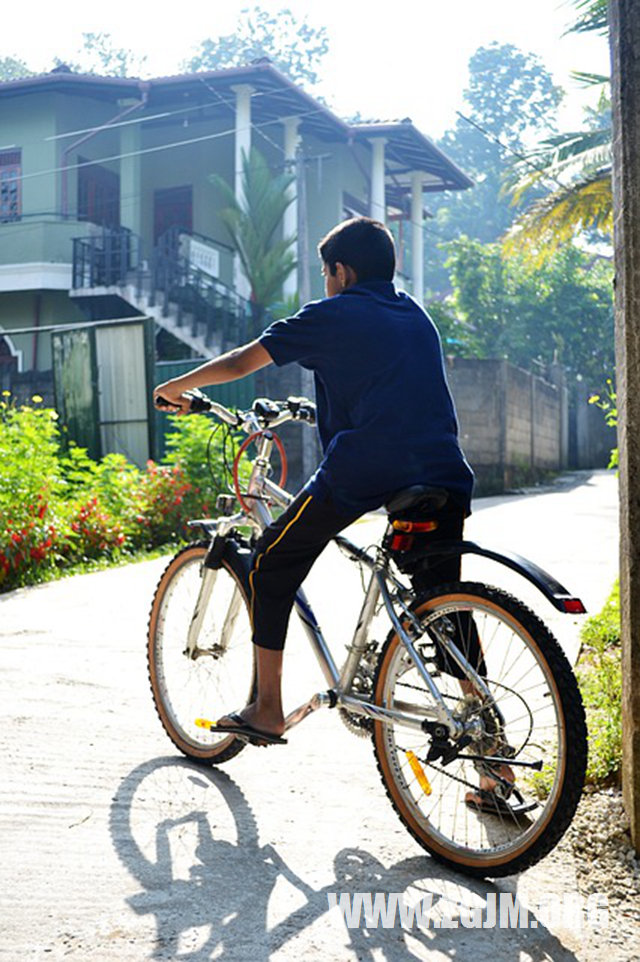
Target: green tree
x,y
573,168
508,307
510,95
11,68
294,46
254,226
100,55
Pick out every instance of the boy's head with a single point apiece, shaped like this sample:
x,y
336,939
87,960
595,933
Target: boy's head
x,y
360,249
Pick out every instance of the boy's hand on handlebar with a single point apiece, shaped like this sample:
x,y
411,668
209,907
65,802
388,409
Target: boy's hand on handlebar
x,y
170,400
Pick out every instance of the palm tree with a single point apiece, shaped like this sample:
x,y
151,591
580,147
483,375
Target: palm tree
x,y
577,164
254,223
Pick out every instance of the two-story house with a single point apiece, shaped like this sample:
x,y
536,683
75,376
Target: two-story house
x,y
107,209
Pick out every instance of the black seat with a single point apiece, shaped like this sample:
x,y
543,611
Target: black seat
x,y
419,497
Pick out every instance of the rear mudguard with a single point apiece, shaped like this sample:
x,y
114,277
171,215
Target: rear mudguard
x,y
556,593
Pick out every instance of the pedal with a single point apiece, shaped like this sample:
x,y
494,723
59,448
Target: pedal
x,y
205,723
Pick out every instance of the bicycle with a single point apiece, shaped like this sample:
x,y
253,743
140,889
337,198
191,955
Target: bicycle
x,y
432,733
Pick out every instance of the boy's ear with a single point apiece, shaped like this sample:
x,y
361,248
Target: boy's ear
x,y
346,275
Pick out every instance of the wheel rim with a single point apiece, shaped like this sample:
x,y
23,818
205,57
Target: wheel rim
x,y
534,726
213,684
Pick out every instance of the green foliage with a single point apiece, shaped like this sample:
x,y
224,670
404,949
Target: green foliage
x,y
609,405
602,631
600,679
506,307
294,46
510,94
101,56
191,448
12,68
253,225
593,16
60,509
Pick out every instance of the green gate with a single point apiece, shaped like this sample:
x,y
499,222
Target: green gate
x,y
234,394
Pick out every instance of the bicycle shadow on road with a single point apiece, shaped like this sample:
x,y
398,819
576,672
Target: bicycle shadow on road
x,y
189,836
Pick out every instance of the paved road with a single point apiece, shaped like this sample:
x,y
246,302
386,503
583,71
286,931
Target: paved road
x,y
113,848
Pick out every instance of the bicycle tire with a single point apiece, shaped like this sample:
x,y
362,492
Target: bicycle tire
x,y
221,680
492,845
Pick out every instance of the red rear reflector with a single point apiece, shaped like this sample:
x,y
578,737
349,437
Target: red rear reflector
x,y
574,606
401,542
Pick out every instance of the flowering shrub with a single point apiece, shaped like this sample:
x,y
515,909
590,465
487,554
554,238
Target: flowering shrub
x,y
59,508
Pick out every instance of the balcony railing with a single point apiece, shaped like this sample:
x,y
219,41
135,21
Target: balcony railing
x,y
176,277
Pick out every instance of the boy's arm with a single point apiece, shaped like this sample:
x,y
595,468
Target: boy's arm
x,y
228,367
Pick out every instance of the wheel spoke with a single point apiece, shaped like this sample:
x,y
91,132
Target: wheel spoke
x,y
210,685
525,713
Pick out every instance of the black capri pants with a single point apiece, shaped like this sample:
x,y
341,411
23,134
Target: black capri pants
x,y
285,553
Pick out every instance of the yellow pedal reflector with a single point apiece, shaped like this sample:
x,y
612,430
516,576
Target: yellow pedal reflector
x,y
205,723
418,771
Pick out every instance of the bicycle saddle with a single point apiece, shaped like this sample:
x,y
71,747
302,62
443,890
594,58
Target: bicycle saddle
x,y
418,496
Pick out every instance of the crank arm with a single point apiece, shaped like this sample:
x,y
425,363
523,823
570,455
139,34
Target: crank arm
x,y
320,700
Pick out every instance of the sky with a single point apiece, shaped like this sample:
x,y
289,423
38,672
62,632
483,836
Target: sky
x,y
410,60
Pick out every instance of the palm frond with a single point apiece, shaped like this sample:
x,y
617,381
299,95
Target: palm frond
x,y
555,219
593,16
589,79
253,224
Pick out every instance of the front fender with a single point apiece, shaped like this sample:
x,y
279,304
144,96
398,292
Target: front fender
x,y
556,593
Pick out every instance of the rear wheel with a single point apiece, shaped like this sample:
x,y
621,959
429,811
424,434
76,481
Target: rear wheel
x,y
534,714
221,676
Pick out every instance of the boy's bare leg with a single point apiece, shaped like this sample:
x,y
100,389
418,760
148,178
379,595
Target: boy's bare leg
x,y
266,712
505,771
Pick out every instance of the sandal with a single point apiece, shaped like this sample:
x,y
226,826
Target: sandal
x,y
242,728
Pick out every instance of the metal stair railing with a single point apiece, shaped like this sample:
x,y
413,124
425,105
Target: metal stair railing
x,y
114,257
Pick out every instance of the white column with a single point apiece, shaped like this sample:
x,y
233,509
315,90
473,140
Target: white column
x,y
242,148
378,203
130,177
290,219
417,236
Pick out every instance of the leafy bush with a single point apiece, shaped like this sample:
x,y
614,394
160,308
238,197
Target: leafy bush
x,y
60,508
600,679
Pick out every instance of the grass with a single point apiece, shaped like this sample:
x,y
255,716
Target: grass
x,y
101,564
600,679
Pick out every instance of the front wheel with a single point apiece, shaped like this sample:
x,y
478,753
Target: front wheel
x,y
533,714
218,675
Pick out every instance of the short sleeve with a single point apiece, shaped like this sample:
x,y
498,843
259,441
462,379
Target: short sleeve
x,y
298,338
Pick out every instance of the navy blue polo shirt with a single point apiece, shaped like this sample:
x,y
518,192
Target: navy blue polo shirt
x,y
385,414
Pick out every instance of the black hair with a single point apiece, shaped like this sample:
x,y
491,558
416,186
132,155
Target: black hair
x,y
363,244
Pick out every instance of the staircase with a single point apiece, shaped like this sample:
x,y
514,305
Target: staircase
x,y
169,286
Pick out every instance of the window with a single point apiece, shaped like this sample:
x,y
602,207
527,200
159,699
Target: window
x,y
10,185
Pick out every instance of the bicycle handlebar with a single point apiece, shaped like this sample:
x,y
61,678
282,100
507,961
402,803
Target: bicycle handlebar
x,y
262,414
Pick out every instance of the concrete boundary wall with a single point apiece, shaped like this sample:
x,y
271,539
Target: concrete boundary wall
x,y
513,424
516,427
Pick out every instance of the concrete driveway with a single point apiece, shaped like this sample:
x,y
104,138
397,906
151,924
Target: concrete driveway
x,y
115,848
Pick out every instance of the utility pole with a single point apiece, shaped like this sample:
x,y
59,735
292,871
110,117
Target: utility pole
x,y
624,22
310,451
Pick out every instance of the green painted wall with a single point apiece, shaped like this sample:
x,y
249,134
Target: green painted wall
x,y
27,121
21,310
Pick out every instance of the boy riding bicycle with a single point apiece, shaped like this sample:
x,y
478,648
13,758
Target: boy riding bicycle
x,y
386,421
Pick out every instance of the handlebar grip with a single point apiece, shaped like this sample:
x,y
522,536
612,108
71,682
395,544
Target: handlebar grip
x,y
302,409
199,402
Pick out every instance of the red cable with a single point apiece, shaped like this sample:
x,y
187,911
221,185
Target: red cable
x,y
236,462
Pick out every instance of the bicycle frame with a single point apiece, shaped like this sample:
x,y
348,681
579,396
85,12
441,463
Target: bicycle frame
x,y
382,584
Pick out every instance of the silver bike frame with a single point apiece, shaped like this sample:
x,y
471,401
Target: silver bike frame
x,y
381,585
